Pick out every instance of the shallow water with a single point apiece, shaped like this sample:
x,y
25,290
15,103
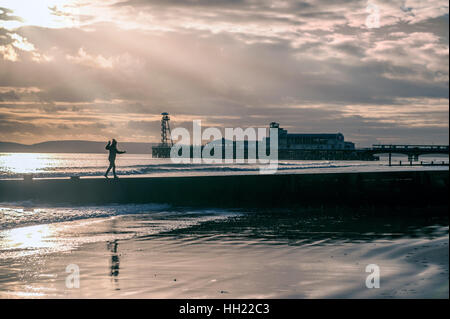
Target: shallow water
x,y
157,251
26,231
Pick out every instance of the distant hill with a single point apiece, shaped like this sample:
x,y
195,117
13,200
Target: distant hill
x,y
74,147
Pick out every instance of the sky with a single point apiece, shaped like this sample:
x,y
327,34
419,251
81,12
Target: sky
x,y
376,71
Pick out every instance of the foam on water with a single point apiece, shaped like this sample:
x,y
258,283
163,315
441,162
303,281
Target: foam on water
x,y
24,214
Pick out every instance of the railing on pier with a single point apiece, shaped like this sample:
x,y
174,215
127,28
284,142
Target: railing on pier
x,y
410,147
413,151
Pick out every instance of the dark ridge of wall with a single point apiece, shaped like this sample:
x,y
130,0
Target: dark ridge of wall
x,y
389,189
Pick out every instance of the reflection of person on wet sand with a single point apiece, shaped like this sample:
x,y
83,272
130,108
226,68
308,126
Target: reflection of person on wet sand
x,y
113,151
115,262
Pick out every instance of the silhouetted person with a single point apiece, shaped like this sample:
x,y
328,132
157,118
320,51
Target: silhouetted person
x,y
113,151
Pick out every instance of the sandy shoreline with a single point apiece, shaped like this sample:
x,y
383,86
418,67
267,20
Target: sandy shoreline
x,y
215,265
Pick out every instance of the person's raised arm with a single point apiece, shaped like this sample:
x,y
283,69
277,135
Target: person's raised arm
x,y
108,145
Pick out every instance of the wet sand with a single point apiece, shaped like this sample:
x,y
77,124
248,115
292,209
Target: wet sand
x,y
205,262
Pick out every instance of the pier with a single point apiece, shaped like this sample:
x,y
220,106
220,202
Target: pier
x,y
363,154
412,151
296,147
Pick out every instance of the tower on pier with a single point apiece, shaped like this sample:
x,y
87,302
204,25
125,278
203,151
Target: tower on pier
x,y
166,137
163,149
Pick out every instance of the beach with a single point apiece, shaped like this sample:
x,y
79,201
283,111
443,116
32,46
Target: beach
x,y
228,254
216,231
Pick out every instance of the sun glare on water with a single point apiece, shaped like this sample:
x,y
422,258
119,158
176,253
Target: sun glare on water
x,y
25,163
30,237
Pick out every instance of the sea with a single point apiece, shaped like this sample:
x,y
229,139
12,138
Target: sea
x,y
52,165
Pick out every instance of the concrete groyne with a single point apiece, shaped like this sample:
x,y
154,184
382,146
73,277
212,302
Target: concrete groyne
x,y
409,188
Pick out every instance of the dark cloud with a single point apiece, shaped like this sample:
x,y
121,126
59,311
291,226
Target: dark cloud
x,y
6,15
9,96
